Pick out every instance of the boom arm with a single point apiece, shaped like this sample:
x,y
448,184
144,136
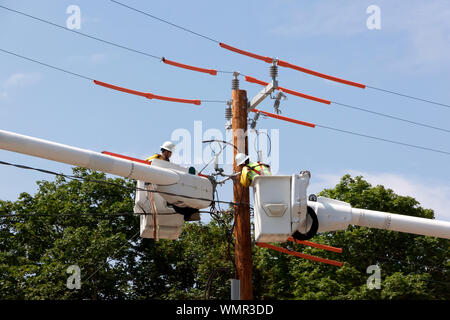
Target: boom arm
x,y
282,211
85,158
170,179
337,215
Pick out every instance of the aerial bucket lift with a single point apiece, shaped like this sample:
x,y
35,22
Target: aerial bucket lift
x,y
283,211
282,208
172,188
158,207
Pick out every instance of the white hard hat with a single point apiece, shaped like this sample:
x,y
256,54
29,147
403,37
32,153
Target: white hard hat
x,y
241,158
169,146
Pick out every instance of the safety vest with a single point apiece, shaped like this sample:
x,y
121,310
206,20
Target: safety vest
x,y
250,171
155,156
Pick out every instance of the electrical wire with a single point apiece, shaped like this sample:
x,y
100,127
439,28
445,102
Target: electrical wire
x,y
383,139
163,59
66,214
302,95
113,254
165,21
410,97
326,127
220,71
113,184
390,116
147,95
81,33
313,125
283,63
47,65
207,292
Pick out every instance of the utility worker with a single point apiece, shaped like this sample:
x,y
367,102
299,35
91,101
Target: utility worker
x,y
167,148
166,152
251,170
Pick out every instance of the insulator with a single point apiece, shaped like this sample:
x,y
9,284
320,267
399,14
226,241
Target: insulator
x,y
273,71
228,113
235,84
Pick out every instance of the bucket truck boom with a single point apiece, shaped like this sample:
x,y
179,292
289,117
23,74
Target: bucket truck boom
x,y
282,210
173,184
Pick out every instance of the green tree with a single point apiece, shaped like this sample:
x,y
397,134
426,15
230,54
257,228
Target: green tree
x,y
75,222
48,232
412,267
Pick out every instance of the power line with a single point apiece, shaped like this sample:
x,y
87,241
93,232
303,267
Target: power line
x,y
313,125
69,214
383,139
81,33
390,116
109,85
410,97
305,96
72,177
283,63
165,21
214,101
213,72
47,65
114,253
78,214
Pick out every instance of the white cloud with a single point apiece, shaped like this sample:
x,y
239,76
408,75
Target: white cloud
x,y
21,80
421,27
324,18
426,27
430,194
16,81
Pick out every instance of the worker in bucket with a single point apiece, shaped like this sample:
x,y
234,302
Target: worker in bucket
x,y
167,149
251,170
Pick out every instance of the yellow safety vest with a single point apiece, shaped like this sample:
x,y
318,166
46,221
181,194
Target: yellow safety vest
x,y
155,156
250,171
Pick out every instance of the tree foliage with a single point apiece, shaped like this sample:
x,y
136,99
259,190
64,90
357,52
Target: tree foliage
x,y
75,222
411,266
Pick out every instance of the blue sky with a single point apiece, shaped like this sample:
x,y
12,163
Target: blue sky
x,y
409,54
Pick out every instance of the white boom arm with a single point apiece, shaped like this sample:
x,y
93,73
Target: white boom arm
x,y
282,211
85,158
337,215
167,179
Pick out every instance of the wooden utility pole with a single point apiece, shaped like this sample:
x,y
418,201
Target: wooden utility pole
x,y
241,195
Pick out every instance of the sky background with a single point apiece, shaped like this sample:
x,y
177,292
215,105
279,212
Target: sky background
x,y
409,54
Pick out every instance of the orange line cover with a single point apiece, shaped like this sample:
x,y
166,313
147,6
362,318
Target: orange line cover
x,y
302,95
125,157
295,93
316,245
285,64
246,53
276,116
146,94
185,66
300,255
